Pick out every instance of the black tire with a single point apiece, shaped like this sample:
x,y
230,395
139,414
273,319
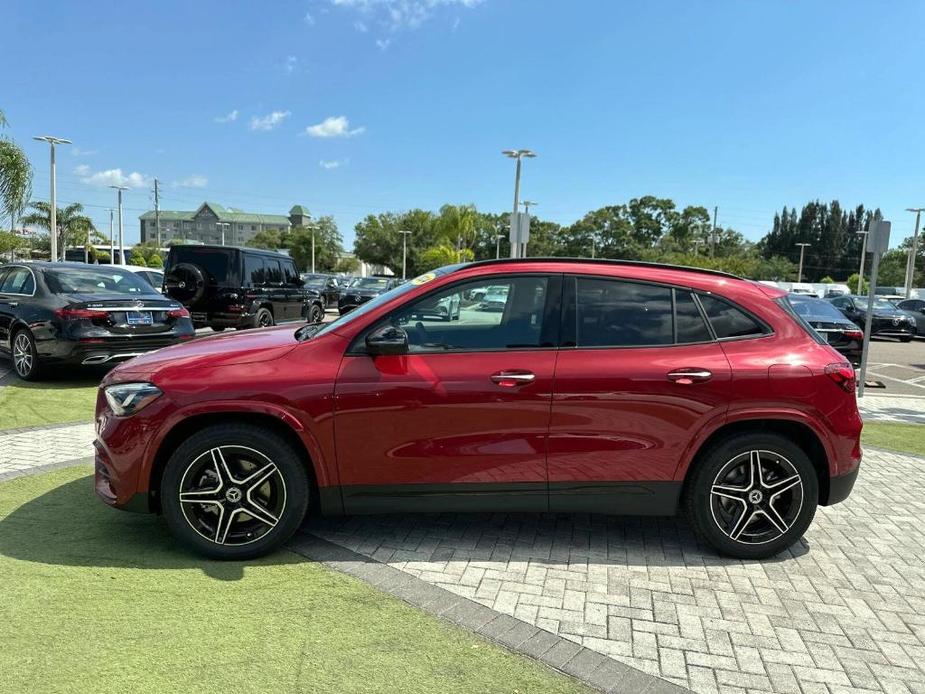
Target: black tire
x,y
907,338
217,328
263,318
283,495
24,356
715,516
315,314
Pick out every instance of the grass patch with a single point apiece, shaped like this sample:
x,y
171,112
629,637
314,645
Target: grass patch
x,y
99,600
908,438
59,401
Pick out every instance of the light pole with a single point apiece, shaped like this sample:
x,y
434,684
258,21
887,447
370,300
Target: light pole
x,y
498,246
221,226
112,245
863,259
313,227
802,250
121,236
404,252
910,263
52,141
517,154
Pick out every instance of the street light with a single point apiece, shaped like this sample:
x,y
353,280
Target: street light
x,y
910,262
802,250
221,226
404,252
52,141
517,154
498,238
313,227
863,259
121,237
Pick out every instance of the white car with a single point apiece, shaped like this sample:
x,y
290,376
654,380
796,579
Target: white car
x,y
152,275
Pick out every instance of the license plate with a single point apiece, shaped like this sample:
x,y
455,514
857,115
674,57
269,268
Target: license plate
x,y
139,318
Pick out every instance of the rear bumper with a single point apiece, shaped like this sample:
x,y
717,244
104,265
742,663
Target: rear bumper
x,y
104,351
840,487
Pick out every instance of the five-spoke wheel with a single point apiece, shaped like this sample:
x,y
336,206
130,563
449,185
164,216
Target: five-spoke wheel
x,y
234,491
25,357
752,495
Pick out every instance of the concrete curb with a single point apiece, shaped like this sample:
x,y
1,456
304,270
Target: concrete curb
x,y
590,667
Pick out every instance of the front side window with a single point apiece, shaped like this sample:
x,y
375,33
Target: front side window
x,y
729,321
486,314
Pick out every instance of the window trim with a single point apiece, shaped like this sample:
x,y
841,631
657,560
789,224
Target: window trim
x,y
35,283
551,312
572,295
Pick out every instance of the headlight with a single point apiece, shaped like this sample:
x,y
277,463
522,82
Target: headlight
x,y
128,398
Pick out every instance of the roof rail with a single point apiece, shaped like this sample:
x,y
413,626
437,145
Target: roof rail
x,y
604,261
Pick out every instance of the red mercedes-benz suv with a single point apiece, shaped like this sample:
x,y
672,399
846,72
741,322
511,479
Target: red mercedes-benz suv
x,y
556,385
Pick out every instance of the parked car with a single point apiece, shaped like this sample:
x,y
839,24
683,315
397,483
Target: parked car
x,y
230,287
361,291
887,320
494,298
602,386
152,276
328,286
916,307
79,314
445,308
841,333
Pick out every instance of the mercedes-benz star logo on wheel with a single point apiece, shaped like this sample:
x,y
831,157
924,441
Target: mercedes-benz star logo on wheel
x,y
182,285
233,495
754,496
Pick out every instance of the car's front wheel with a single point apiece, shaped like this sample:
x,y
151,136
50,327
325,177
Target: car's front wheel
x,y
234,491
752,496
25,356
315,314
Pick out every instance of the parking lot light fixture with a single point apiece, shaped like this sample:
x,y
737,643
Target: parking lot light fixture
x,y
53,225
517,154
404,252
910,261
119,189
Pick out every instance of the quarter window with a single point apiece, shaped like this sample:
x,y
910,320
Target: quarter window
x,y
729,321
689,320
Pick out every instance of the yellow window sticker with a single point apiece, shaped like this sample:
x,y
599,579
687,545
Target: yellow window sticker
x,y
423,279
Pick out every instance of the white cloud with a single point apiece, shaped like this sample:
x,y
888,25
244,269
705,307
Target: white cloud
x,y
332,163
333,126
290,65
401,14
78,152
383,44
360,26
230,117
269,121
113,177
194,181
308,19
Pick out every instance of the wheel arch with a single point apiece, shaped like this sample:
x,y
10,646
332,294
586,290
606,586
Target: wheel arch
x,y
189,425
798,432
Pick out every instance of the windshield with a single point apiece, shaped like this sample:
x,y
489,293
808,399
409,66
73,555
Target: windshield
x,y
91,280
373,304
370,283
315,283
815,309
882,304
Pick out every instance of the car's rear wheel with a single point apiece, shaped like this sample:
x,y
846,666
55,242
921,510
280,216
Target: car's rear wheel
x,y
263,318
217,328
752,496
234,491
25,356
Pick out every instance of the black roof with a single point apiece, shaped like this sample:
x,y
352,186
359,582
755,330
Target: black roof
x,y
604,261
219,247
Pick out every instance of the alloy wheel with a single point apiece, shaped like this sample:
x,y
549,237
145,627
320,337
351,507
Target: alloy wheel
x,y
232,495
22,355
265,321
756,497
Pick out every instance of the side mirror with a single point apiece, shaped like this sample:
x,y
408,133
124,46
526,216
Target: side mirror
x,y
387,340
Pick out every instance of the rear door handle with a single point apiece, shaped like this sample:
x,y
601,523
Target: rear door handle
x,y
510,379
689,376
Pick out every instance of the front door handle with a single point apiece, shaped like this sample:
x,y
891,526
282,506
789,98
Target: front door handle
x,y
688,376
510,379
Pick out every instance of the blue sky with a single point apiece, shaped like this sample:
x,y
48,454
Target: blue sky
x,y
358,106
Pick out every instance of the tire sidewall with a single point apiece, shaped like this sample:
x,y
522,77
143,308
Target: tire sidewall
x,y
289,463
260,312
34,371
697,498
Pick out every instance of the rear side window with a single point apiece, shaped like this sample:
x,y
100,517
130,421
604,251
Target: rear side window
x,y
274,273
254,273
613,313
729,321
689,320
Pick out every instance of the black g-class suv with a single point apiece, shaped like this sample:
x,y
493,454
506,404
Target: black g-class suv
x,y
231,287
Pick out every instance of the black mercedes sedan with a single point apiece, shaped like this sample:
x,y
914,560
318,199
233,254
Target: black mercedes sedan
x,y
78,314
363,290
842,334
887,320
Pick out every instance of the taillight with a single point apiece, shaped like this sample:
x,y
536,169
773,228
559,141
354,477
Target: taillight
x,y
854,334
178,313
78,313
843,375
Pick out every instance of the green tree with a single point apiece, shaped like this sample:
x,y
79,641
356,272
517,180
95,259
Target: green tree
x,y
852,282
378,241
443,254
329,245
150,253
11,242
15,180
270,239
347,264
73,227
136,258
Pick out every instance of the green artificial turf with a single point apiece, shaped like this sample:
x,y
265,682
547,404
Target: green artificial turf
x,y
908,438
97,600
25,403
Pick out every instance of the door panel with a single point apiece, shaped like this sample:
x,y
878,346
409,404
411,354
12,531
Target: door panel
x,y
438,427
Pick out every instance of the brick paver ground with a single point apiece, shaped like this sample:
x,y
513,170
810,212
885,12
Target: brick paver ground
x,y
21,449
843,612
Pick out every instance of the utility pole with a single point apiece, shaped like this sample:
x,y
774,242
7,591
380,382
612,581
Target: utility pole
x,y
713,233
517,154
910,262
53,231
404,252
863,259
497,246
802,250
112,245
121,228
157,214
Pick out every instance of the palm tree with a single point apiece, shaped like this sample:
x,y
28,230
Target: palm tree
x,y
74,228
15,179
